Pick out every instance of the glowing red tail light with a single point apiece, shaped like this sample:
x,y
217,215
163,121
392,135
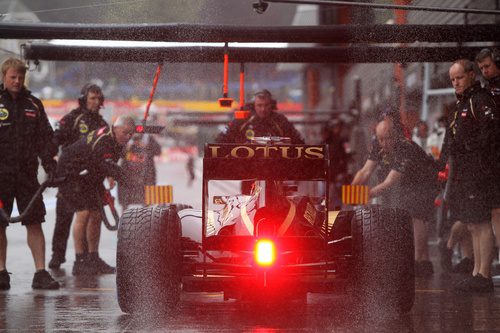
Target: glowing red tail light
x,y
265,252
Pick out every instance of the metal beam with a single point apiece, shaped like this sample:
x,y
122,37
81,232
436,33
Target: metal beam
x,y
358,54
389,6
222,33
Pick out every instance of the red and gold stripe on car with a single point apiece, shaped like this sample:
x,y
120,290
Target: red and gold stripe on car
x,y
355,194
158,194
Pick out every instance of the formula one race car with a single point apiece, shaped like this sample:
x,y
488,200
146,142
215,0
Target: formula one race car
x,y
273,241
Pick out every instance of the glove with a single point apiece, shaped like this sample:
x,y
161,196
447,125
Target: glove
x,y
74,167
50,169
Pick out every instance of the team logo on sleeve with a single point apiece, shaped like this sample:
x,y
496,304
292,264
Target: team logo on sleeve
x,y
4,114
249,134
90,137
83,128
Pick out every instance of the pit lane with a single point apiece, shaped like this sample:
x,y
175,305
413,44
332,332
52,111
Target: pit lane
x,y
89,304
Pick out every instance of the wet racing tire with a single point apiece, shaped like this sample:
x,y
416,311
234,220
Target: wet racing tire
x,y
148,261
384,269
182,206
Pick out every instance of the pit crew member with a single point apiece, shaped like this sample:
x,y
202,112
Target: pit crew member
x,y
86,163
263,121
25,136
139,168
488,62
73,126
408,180
471,136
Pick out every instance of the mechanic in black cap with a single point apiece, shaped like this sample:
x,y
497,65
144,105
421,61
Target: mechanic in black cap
x,y
263,121
470,143
73,126
408,180
86,163
25,136
488,61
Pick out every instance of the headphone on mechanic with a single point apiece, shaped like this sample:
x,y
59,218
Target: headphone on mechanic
x,y
264,93
90,87
495,56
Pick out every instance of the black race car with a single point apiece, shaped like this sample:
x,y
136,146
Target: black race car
x,y
270,240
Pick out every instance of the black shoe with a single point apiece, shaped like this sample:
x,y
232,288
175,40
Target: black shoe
x,y
43,280
423,268
84,267
4,280
476,283
103,268
56,262
466,265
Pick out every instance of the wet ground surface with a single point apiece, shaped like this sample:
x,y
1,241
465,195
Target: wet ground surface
x,y
90,304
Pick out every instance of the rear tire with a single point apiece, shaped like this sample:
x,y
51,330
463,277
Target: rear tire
x,y
180,207
384,269
148,261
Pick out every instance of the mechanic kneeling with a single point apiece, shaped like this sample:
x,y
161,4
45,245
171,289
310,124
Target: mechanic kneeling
x,y
85,164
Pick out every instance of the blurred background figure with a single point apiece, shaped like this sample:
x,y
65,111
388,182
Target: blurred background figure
x,y
332,134
190,169
436,138
420,135
139,168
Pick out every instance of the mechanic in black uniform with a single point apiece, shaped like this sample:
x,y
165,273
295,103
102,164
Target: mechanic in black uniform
x,y
25,136
488,62
408,180
263,121
86,163
471,144
73,126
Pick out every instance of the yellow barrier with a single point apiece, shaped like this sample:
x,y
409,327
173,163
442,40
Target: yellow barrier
x,y
355,194
158,194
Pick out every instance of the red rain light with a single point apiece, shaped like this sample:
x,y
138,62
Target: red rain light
x,y
225,102
139,129
241,114
265,252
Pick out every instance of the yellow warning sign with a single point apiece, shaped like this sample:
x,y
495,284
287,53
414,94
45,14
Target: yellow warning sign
x,y
161,194
355,194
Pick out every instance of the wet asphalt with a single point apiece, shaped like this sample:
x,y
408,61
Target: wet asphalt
x,y
89,304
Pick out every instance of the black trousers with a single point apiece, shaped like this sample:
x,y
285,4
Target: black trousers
x,y
22,187
64,217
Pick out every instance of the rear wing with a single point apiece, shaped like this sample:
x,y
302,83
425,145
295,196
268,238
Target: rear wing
x,y
261,161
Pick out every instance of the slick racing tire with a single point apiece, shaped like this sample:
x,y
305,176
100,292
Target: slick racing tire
x,y
149,259
384,269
